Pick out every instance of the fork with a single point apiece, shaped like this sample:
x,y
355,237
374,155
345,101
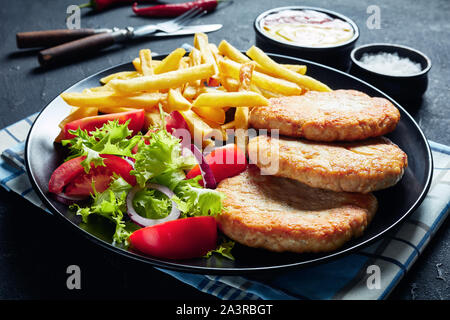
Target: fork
x,y
96,42
171,25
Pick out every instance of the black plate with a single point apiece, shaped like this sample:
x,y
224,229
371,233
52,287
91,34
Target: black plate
x,y
395,203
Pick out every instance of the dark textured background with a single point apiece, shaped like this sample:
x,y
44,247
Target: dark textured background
x,y
35,250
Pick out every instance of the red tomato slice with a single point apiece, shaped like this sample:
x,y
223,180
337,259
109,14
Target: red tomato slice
x,y
225,162
175,121
136,118
178,239
64,174
71,176
82,185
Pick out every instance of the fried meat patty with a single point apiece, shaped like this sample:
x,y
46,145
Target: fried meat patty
x,y
281,214
362,166
340,115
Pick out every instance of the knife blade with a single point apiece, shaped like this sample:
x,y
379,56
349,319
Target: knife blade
x,y
189,30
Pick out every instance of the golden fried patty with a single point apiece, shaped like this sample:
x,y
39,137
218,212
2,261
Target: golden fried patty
x,y
341,115
281,214
361,166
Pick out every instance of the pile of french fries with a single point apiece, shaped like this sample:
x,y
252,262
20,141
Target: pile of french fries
x,y
202,85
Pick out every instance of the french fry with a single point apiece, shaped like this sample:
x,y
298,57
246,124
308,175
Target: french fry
x,y
215,115
255,88
191,92
199,129
210,90
109,99
171,62
269,94
230,99
271,66
176,101
245,76
261,80
190,89
242,113
214,50
145,56
228,125
231,52
299,68
106,109
120,75
104,88
201,43
234,54
230,84
195,57
137,64
171,79
218,133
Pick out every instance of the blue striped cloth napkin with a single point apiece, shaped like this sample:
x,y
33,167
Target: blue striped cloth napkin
x,y
349,277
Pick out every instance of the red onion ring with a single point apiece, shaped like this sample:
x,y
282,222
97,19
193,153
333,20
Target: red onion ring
x,y
207,174
145,222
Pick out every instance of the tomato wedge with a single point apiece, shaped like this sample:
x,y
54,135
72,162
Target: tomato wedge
x,y
175,121
178,239
72,177
136,118
64,174
225,162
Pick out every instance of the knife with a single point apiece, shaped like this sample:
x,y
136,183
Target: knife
x,y
51,38
74,43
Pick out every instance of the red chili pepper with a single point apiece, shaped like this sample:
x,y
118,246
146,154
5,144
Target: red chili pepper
x,y
175,9
100,5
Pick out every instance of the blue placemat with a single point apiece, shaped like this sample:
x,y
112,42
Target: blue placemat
x,y
370,273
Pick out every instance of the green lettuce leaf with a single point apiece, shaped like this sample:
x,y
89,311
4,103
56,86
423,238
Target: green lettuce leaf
x,y
111,138
152,204
223,248
110,204
161,156
194,200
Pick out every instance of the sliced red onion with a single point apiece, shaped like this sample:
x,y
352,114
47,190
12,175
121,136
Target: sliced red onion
x,y
145,222
130,160
68,200
207,174
178,127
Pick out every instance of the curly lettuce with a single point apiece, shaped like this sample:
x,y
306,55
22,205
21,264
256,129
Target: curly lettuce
x,y
111,138
111,205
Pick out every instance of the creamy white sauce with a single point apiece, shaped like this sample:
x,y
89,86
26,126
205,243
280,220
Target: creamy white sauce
x,y
307,27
